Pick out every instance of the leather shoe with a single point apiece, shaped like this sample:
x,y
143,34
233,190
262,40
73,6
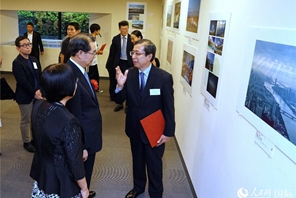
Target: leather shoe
x,y
92,194
118,108
29,147
132,194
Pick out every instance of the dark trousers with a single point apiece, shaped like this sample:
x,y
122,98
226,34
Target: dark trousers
x,y
143,155
93,73
88,167
112,83
123,64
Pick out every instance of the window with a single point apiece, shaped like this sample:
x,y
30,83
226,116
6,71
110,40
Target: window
x,y
52,25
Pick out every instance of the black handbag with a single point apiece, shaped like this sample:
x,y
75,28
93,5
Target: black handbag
x,y
6,92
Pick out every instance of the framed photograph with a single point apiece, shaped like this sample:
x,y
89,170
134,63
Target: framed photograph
x,y
177,14
170,49
169,16
136,15
188,62
193,18
212,72
267,98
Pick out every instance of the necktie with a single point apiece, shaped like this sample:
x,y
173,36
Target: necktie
x,y
123,48
88,81
142,86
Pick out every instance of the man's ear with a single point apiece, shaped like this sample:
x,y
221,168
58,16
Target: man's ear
x,y
149,56
79,54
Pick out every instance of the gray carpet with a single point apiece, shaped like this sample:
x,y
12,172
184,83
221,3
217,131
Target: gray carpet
x,y
112,175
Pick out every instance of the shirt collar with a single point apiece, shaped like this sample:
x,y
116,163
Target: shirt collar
x,y
147,70
79,67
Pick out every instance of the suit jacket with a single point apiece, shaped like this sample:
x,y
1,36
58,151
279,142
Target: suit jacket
x,y
25,82
37,42
115,50
141,106
85,107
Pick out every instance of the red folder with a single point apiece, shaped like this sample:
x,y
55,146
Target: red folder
x,y
103,47
153,126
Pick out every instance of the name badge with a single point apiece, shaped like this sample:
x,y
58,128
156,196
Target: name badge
x,y
154,92
35,65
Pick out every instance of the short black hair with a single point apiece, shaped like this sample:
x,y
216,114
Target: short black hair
x,y
123,23
75,24
94,27
80,41
149,47
19,39
57,81
30,23
137,33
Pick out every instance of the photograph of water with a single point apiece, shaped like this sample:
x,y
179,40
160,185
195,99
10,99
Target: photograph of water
x,y
271,93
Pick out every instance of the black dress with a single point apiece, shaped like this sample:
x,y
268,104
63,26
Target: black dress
x,y
57,162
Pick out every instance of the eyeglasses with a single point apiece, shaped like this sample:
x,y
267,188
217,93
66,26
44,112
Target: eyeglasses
x,y
92,53
26,45
136,53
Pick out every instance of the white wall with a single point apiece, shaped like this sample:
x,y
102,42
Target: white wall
x,y
218,144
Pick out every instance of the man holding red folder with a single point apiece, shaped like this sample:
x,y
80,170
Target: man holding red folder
x,y
146,89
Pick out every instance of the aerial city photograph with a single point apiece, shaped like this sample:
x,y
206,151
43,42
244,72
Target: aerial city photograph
x,y
271,93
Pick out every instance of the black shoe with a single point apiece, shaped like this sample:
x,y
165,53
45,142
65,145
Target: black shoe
x,y
118,108
29,147
132,194
92,194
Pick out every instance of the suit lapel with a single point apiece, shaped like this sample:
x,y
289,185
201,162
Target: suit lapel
x,y
150,82
25,62
83,81
135,81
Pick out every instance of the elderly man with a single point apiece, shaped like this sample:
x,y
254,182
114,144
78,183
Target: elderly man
x,y
84,105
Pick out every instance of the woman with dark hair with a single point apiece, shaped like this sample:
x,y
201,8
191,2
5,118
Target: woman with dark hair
x,y
137,35
57,166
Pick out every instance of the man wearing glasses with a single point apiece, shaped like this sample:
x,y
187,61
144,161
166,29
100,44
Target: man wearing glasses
x,y
146,90
26,70
84,105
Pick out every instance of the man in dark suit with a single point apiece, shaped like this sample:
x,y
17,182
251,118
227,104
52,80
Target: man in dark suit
x,y
84,105
35,39
146,89
26,70
73,28
119,56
